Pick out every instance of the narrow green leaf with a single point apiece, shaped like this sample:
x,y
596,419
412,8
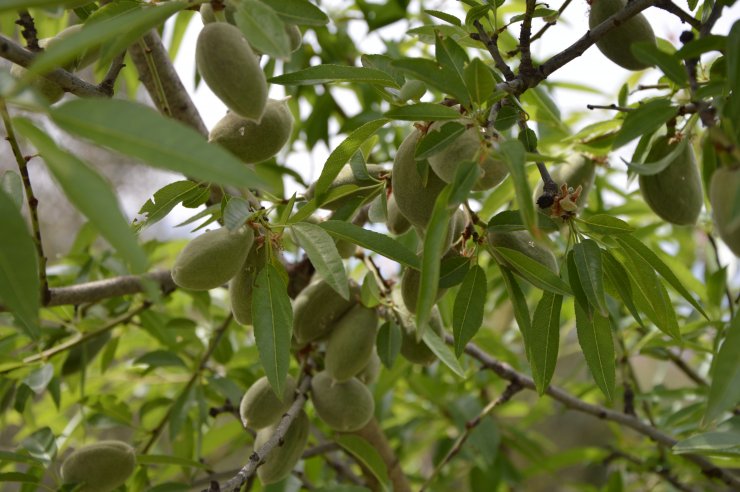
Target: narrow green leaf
x,y
12,185
444,16
514,155
89,193
422,112
437,345
263,28
725,443
576,284
344,151
634,245
535,272
301,12
724,393
653,168
467,313
139,131
587,257
452,271
325,74
388,343
646,118
273,325
367,455
322,251
479,81
168,197
606,225
545,339
435,141
650,295
434,246
670,64
20,288
521,309
511,221
236,212
432,73
374,241
697,47
616,276
595,338
128,26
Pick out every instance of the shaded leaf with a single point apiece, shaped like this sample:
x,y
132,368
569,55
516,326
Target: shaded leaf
x,y
521,309
442,351
514,154
587,258
432,73
645,119
467,313
724,393
653,168
511,221
367,455
388,343
650,54
12,185
616,275
324,74
479,81
322,251
272,316
595,339
423,112
726,443
374,241
435,141
533,271
545,339
141,132
89,193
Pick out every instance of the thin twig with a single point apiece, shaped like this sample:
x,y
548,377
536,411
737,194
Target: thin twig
x,y
544,28
610,106
109,81
491,43
674,9
526,68
29,32
74,85
31,200
512,389
506,372
213,343
258,456
98,290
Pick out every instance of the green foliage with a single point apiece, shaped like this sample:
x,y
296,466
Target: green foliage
x,y
458,335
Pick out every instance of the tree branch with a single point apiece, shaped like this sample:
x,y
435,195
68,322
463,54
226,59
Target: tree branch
x,y
29,32
258,456
674,9
20,56
103,289
506,372
491,43
526,68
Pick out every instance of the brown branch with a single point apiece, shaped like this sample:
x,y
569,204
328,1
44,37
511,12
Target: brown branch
x,y
544,28
526,68
506,372
674,9
491,43
374,434
103,289
258,456
29,32
714,15
109,81
610,106
21,56
512,389
31,201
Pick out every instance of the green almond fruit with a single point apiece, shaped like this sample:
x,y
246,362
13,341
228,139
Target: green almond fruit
x,y
416,351
351,343
346,249
282,459
412,89
616,44
316,309
100,467
415,196
410,283
260,407
350,186
397,223
469,145
371,371
241,286
208,16
344,406
253,141
231,69
724,190
522,241
578,171
674,194
295,36
51,91
212,259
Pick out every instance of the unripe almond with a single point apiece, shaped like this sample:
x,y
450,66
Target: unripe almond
x,y
231,69
468,146
616,44
371,371
410,283
674,194
100,467
416,351
415,196
241,286
51,91
260,406
522,242
212,259
724,189
397,222
345,406
412,89
351,343
316,309
280,461
253,141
